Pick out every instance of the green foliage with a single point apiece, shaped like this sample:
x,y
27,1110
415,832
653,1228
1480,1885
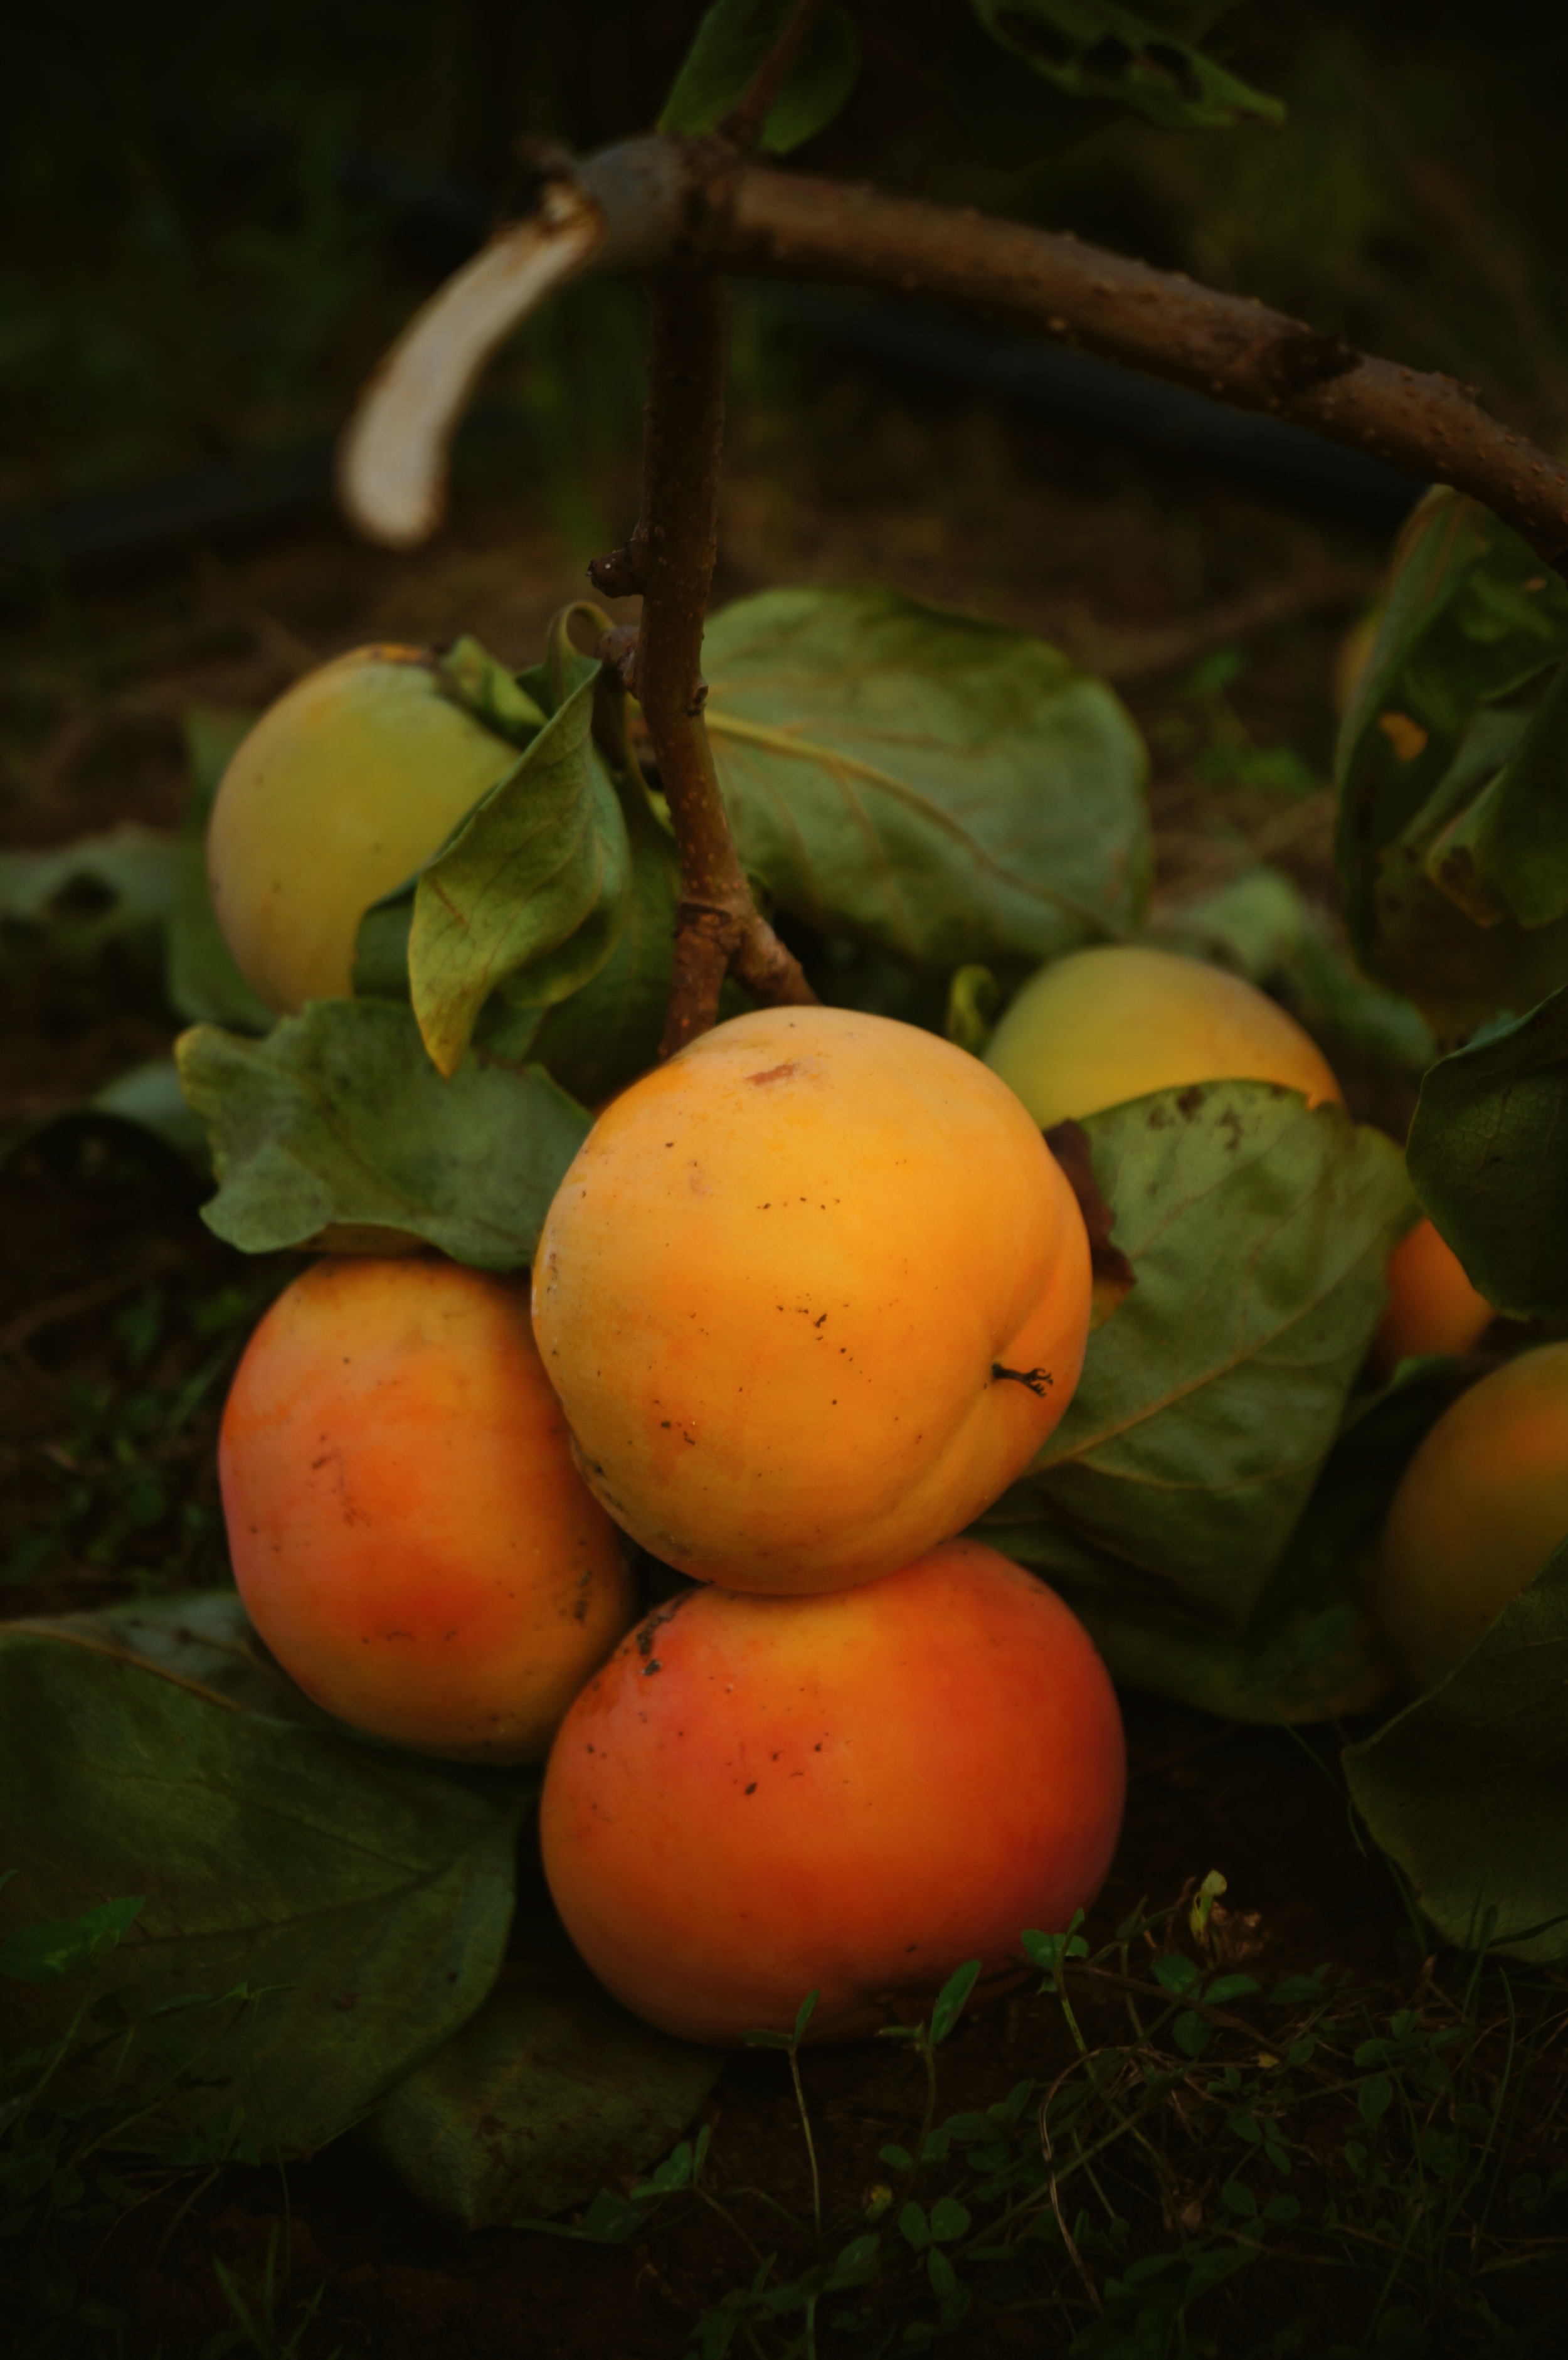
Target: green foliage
x,y
1165,1498
732,42
463,2132
1099,49
336,1131
1307,1650
532,893
120,886
1451,847
343,1907
942,789
1488,1155
609,1031
1467,1789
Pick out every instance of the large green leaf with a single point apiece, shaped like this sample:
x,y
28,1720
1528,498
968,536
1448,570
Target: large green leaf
x,y
1488,1155
530,894
1309,1650
733,39
1429,850
360,1898
1467,1789
336,1131
609,1031
1098,50
550,2092
943,789
1258,1233
79,896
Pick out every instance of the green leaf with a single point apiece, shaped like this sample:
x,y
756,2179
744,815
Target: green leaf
x,y
150,1097
50,1953
360,1898
1506,855
1097,49
550,2091
1467,1789
1259,1233
1373,2098
1488,1155
1191,2034
608,1033
950,2000
1474,625
532,893
78,897
1174,1974
471,677
733,39
1309,1651
946,789
338,1131
949,2221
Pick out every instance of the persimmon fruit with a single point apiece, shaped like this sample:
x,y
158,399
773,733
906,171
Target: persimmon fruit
x,y
1104,1025
1433,1307
850,1793
812,1294
409,1534
345,788
1478,1511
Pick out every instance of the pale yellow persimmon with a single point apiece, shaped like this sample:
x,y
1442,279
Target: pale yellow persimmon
x,y
1112,1023
812,1294
1479,1509
345,786
409,1534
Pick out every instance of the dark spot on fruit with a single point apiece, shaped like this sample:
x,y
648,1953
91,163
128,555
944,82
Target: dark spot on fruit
x,y
774,1074
752,1788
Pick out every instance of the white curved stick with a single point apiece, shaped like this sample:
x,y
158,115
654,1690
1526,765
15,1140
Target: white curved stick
x,y
392,460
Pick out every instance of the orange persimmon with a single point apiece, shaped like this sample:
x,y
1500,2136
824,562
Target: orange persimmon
x,y
852,1793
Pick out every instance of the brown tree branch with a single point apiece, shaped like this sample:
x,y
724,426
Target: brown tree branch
x,y
1230,346
658,201
670,559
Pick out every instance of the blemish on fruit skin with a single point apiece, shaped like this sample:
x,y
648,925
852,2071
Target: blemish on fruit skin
x,y
752,1788
774,1074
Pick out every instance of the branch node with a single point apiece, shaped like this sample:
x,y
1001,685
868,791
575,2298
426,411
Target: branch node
x,y
618,574
1304,359
617,649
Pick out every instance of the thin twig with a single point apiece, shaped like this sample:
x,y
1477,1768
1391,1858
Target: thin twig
x,y
671,560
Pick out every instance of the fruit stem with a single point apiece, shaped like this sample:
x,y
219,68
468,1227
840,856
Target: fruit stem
x,y
670,559
810,2148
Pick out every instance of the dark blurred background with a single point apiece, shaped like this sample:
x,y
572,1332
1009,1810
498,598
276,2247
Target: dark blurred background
x,y
214,217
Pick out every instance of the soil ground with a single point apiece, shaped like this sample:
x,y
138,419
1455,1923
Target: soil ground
x,y
113,1296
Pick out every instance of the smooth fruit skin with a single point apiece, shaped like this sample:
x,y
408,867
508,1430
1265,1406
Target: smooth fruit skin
x,y
1102,1026
776,1284
854,1793
409,1534
1479,1509
345,788
1433,1307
